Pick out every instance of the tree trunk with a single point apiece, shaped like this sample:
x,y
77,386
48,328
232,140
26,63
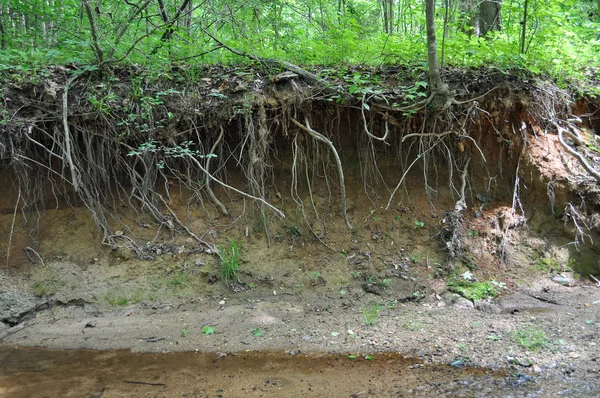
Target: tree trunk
x,y
489,16
435,80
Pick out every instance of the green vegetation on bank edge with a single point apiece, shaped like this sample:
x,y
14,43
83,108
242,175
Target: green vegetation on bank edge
x,y
560,36
472,290
532,338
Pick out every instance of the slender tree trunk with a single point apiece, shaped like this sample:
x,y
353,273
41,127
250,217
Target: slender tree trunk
x,y
3,32
524,31
2,35
384,17
435,80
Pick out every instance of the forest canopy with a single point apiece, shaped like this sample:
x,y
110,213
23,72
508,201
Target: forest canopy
x,y
559,37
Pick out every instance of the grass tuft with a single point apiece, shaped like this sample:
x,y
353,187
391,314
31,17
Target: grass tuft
x,y
230,261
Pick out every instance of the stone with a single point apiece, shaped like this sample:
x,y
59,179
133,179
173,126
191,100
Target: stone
x,y
563,281
14,306
485,306
457,301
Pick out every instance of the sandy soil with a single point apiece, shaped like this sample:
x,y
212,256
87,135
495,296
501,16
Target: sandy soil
x,y
381,288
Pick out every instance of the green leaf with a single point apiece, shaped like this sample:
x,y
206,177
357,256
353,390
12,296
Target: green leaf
x,y
351,356
257,332
208,330
369,357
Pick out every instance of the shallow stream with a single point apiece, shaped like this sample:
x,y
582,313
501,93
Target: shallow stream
x,y
38,372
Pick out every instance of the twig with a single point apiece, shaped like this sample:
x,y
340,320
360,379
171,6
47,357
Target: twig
x,y
144,383
545,300
322,138
595,280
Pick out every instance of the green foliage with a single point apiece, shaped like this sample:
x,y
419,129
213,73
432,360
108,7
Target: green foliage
x,y
370,313
472,290
207,330
546,264
48,287
412,325
385,282
257,332
532,338
561,38
292,231
230,261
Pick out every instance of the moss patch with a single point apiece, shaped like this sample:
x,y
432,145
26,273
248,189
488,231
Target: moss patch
x,y
47,287
472,290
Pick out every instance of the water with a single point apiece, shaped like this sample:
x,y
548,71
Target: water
x,y
38,372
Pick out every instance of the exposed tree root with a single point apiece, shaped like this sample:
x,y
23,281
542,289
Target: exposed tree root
x,y
322,138
575,136
209,190
68,150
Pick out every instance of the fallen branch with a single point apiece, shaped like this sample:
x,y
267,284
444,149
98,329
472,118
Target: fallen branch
x,y
309,77
322,138
144,383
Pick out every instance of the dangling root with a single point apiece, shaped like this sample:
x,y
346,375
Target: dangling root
x,y
209,190
68,151
211,177
212,248
322,138
452,231
462,203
